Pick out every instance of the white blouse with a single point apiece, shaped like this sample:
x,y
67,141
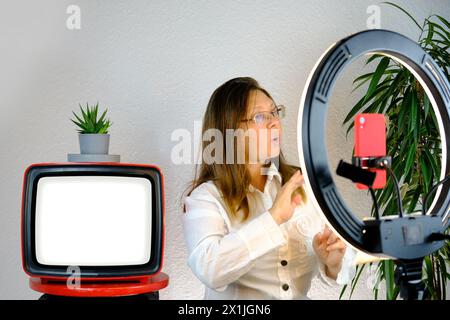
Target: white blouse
x,y
257,259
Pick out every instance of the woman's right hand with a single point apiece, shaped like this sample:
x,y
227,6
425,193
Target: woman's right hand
x,y
284,204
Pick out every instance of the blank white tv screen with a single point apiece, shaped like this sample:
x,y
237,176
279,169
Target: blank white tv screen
x,y
93,221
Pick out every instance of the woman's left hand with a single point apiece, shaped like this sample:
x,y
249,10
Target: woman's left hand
x,y
330,251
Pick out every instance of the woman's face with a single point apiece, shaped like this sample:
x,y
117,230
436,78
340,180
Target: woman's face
x,y
263,138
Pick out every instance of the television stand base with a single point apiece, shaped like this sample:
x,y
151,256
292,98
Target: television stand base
x,y
99,289
137,297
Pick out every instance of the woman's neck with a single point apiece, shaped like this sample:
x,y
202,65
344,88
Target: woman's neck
x,y
257,179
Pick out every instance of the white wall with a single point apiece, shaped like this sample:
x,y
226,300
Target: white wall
x,y
155,64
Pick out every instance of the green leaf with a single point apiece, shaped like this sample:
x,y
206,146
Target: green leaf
x,y
102,116
433,118
85,117
387,80
413,111
413,202
444,35
386,193
442,263
432,162
363,77
94,115
379,71
359,106
443,20
342,292
426,106
79,120
404,11
404,108
355,280
373,57
80,125
426,174
396,292
410,159
104,128
428,274
368,109
389,277
430,33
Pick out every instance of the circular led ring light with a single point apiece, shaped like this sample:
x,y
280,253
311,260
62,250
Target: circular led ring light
x,y
311,130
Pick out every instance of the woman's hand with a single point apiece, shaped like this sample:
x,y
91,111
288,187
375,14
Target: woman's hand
x,y
330,251
284,204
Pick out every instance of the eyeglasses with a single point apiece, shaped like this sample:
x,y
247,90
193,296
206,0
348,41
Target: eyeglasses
x,y
265,117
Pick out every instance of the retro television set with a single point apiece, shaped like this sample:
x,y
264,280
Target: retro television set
x,y
102,223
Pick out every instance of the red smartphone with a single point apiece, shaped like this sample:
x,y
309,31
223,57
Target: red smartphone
x,y
370,141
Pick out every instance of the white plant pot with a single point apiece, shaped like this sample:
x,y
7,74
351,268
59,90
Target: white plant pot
x,y
93,143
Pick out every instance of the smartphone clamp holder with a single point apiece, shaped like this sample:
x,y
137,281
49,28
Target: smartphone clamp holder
x,y
372,162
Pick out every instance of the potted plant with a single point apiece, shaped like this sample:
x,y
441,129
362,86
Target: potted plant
x,y
93,132
413,141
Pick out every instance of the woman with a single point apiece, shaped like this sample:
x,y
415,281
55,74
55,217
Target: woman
x,y
250,230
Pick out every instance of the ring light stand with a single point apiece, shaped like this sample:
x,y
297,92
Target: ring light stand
x,y
407,239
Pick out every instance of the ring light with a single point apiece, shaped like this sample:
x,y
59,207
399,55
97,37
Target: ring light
x,y
389,236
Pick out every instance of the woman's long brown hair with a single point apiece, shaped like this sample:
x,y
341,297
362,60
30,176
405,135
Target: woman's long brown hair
x,y
226,108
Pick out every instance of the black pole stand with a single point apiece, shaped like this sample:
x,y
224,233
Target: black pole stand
x,y
408,275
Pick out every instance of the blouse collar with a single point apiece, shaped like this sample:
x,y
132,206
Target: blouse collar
x,y
271,172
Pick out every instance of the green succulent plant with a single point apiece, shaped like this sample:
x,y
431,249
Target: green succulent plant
x,y
88,122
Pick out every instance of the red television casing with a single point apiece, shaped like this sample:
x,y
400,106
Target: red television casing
x,y
101,286
370,141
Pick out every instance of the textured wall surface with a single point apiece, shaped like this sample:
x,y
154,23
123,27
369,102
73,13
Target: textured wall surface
x,y
155,64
